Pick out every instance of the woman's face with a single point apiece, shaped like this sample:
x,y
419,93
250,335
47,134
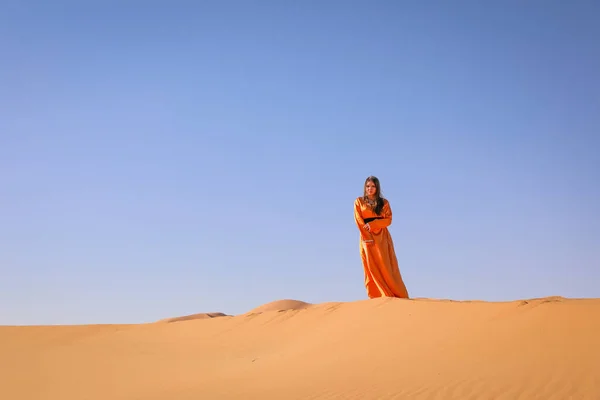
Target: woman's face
x,y
370,188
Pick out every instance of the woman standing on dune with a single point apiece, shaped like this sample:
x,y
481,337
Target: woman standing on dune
x,y
373,215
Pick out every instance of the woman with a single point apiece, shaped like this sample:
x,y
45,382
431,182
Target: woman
x,y
373,215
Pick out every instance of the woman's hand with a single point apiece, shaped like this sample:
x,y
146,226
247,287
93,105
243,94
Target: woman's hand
x,y
367,227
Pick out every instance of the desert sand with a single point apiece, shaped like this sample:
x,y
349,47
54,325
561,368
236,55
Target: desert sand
x,y
385,348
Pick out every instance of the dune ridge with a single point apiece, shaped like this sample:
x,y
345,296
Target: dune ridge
x,y
193,316
546,348
281,305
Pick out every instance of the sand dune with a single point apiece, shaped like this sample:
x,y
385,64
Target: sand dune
x,y
372,349
281,305
193,316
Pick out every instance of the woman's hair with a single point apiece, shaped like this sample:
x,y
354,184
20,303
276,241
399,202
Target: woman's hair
x,y
378,198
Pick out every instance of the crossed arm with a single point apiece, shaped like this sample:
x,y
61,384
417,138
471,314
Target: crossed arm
x,y
373,226
384,222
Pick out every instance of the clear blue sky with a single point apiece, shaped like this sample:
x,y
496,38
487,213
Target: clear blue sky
x,y
167,158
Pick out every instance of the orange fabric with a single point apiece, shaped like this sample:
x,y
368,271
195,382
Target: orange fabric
x,y
382,275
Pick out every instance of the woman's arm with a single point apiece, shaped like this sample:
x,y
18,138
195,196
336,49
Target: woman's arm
x,y
360,222
384,222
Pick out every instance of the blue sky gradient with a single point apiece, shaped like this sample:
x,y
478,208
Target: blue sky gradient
x,y
166,158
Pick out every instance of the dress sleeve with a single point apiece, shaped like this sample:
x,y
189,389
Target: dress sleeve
x,y
384,222
360,222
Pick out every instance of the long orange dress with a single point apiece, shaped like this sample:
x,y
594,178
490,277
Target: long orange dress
x,y
382,275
